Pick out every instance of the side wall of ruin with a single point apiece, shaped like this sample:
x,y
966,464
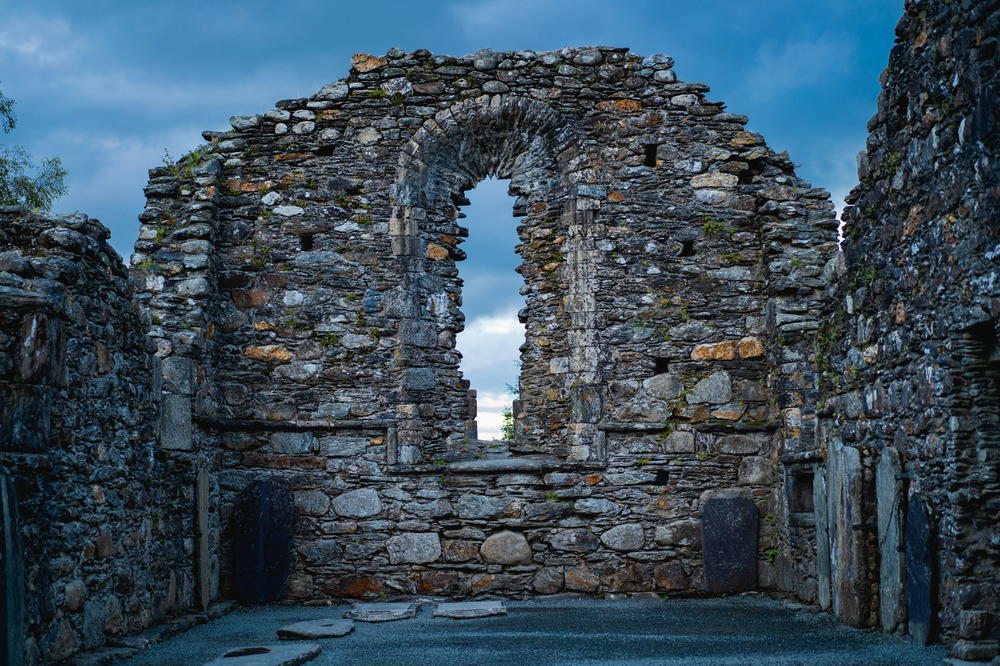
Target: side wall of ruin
x,y
908,358
106,516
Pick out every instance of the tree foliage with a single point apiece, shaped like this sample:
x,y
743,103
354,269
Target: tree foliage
x,y
23,183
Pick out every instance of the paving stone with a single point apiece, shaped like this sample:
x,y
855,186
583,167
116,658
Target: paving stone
x,y
463,610
268,655
382,612
329,628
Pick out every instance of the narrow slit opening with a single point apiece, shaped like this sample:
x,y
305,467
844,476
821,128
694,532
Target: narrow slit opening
x,y
650,159
306,241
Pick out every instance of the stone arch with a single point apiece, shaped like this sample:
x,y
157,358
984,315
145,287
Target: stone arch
x,y
538,150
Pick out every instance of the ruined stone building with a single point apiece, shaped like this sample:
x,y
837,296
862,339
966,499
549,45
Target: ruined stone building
x,y
693,335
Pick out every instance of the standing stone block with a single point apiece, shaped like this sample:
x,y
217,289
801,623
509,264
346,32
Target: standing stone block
x,y
729,544
848,556
921,583
891,505
11,577
263,541
175,422
822,541
202,538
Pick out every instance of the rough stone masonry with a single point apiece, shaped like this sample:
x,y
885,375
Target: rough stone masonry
x,y
692,334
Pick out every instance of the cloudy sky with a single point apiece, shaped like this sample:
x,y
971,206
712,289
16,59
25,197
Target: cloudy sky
x,y
109,85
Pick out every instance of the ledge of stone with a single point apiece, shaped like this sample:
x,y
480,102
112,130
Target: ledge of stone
x,y
262,424
529,464
704,426
812,455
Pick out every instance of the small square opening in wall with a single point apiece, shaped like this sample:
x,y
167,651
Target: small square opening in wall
x,y
660,365
800,491
650,157
687,248
306,241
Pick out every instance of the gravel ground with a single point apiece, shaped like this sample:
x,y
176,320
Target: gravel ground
x,y
738,630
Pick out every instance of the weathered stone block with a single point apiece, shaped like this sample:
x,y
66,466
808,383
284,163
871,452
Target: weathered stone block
x,y
361,503
506,548
175,422
715,389
678,533
312,502
755,471
548,580
293,442
414,547
178,374
574,540
626,537
582,579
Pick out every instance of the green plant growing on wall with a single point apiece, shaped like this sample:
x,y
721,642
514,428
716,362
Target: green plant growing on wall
x,y
712,227
507,423
891,163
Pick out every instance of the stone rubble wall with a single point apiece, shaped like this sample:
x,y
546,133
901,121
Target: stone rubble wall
x,y
105,515
908,356
301,273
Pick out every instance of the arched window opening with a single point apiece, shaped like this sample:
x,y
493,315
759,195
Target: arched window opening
x,y
491,302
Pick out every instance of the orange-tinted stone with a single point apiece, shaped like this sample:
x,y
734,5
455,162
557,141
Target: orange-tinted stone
x,y
751,347
435,252
253,298
616,196
581,579
436,582
268,354
355,586
719,351
364,62
745,139
620,106
593,479
240,185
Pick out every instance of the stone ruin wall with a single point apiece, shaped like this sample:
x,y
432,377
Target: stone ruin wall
x,y
304,264
908,357
106,515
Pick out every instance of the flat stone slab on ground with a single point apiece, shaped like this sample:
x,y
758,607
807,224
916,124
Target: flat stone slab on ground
x,y
329,628
268,655
384,612
463,610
